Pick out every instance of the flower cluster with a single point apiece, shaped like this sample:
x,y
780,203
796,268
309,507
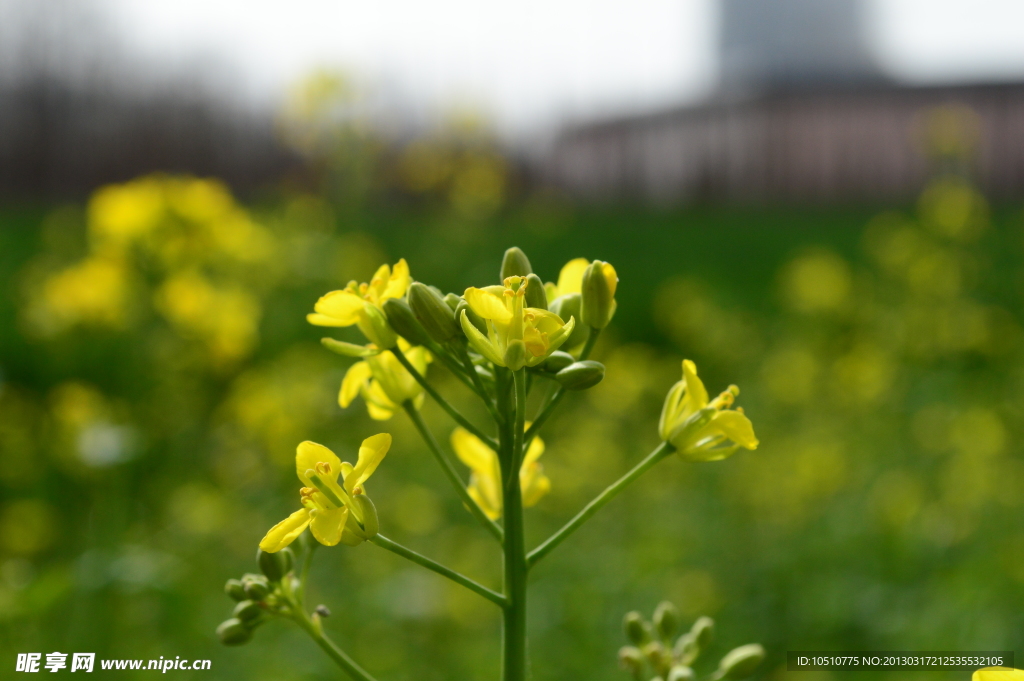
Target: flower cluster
x,y
653,646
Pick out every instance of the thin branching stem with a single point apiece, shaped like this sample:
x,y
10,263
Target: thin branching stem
x,y
407,553
449,470
663,450
452,411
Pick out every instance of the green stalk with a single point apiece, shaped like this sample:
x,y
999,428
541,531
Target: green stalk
x,y
663,450
452,411
396,548
449,470
548,408
481,389
514,661
329,647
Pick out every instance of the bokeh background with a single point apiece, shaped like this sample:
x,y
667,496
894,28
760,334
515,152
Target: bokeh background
x,y
818,201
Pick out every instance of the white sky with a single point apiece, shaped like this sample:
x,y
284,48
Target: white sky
x,y
530,63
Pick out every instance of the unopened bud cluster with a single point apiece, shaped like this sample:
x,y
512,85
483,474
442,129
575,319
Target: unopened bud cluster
x,y
258,597
656,650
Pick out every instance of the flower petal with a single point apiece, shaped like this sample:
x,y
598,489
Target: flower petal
x,y
479,342
309,454
696,393
285,532
399,281
570,279
323,320
343,306
371,453
355,378
327,525
534,484
487,497
487,304
735,426
610,276
473,452
533,452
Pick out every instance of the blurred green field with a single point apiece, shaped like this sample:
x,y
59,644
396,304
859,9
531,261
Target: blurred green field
x,y
147,435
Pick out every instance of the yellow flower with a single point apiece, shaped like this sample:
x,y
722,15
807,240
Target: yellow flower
x,y
485,481
595,282
352,305
332,511
570,279
384,383
703,430
998,674
517,336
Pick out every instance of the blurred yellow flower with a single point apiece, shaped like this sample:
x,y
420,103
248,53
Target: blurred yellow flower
x,y
121,213
724,431
384,383
350,305
517,336
485,482
998,674
329,509
94,291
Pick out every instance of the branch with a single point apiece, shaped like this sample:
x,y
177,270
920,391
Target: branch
x,y
663,450
330,647
459,418
546,410
450,472
396,548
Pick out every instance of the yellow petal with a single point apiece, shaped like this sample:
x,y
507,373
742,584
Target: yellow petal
x,y
327,525
533,452
671,410
735,426
570,279
487,304
379,282
371,453
488,502
379,413
342,306
998,674
355,378
610,276
480,342
399,281
534,484
473,452
309,454
285,532
323,320
696,393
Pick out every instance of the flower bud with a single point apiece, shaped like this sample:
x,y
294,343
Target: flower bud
x,y
348,349
637,631
256,588
666,620
557,361
452,300
432,312
681,673
659,657
248,611
375,327
535,294
581,375
368,512
404,322
703,631
322,610
515,264
739,663
274,565
632,660
235,590
233,633
474,319
515,355
598,292
568,306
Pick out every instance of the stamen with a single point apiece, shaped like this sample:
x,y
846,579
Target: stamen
x,y
323,468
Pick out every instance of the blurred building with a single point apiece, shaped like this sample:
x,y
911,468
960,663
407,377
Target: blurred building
x,y
802,114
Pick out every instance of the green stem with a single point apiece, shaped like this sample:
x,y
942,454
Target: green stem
x,y
459,418
481,389
663,450
409,554
307,561
449,470
548,408
514,661
453,366
329,647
